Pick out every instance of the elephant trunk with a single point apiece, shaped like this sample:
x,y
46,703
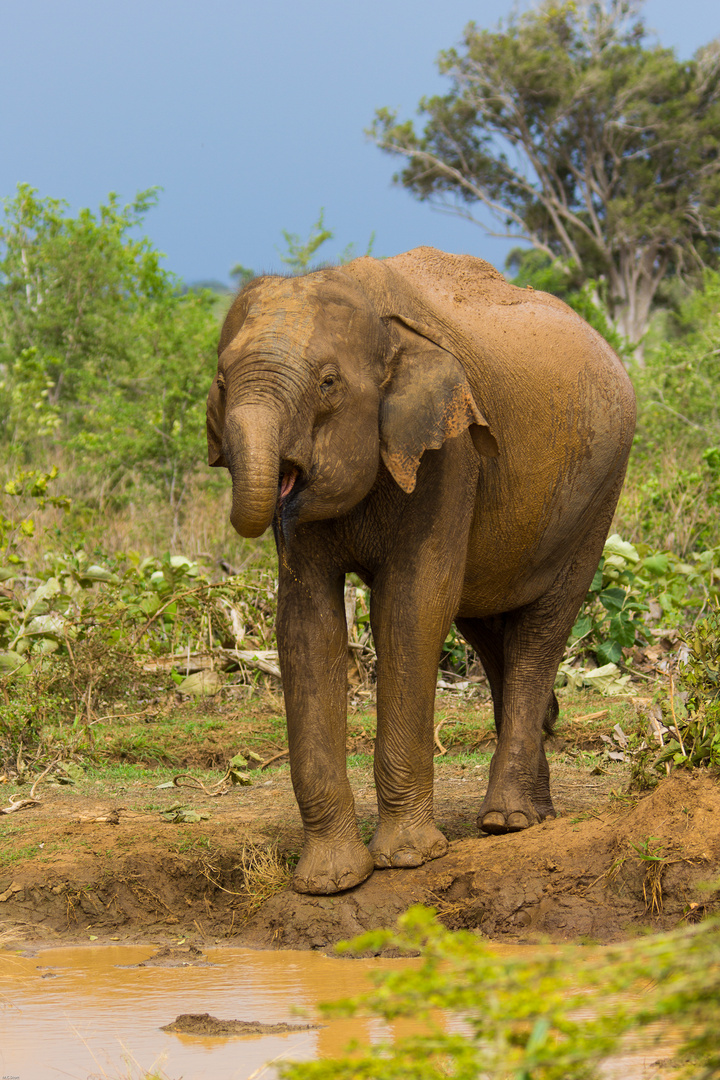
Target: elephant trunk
x,y
254,466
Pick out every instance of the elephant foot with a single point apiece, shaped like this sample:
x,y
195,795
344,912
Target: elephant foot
x,y
398,845
496,822
327,868
508,811
507,807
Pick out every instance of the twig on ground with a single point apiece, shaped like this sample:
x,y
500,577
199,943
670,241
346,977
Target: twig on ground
x,y
219,788
276,757
590,716
17,802
436,738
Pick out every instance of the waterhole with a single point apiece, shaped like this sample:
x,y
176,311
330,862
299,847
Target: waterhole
x,y
89,1012
80,1012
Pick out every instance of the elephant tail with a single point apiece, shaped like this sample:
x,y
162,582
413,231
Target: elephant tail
x,y
553,711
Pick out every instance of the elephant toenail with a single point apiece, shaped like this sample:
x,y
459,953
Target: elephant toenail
x,y
494,822
407,859
517,821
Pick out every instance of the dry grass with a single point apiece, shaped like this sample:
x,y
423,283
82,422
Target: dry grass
x,y
143,523
669,502
264,871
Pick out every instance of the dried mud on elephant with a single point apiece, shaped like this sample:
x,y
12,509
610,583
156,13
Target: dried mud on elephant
x,y
459,444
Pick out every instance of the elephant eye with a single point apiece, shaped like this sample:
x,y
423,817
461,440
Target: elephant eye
x,y
328,382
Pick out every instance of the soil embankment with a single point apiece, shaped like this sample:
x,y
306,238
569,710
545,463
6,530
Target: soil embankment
x,y
604,868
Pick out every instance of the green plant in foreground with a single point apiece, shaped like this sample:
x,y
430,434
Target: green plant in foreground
x,y
695,724
528,1018
608,622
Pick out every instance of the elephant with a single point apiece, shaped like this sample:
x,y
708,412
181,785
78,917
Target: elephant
x,y
460,444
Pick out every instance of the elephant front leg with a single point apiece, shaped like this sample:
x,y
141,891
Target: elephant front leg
x,y
312,643
408,637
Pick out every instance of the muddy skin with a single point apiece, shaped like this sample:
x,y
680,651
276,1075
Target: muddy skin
x,y
458,443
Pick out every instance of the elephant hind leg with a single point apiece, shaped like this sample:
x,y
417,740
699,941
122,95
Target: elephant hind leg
x,y
551,716
487,637
518,792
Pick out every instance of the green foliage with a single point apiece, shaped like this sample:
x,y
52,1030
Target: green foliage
x,y
567,124
693,715
635,587
99,347
299,254
609,621
27,486
80,633
673,491
527,1018
677,389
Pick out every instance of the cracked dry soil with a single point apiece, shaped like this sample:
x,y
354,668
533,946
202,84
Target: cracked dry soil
x,y
114,869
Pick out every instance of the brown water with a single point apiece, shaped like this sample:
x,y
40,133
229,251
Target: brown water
x,y
81,1012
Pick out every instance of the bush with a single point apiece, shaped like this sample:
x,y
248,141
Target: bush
x,y
527,1017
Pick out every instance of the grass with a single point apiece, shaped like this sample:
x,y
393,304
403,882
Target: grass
x,y
201,737
464,759
18,854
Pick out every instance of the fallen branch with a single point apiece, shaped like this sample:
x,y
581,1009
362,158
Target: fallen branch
x,y
262,659
436,735
590,716
219,788
276,757
17,802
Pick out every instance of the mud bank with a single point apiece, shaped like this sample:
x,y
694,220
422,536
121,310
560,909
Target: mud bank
x,y
585,875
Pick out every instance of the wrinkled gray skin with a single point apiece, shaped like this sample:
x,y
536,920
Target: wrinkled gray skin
x,y
458,443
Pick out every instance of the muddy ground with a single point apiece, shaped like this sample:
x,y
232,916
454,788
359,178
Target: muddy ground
x,y
113,867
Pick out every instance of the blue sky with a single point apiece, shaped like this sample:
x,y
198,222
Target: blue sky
x,y
249,115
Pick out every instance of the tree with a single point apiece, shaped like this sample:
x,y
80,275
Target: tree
x,y
100,348
581,138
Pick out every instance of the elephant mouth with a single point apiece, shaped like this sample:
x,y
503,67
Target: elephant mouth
x,y
291,481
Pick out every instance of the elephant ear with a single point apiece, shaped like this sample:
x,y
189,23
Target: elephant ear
x,y
427,400
215,423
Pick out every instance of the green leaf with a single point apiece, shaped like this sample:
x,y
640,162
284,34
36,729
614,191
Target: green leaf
x,y
11,661
614,545
98,573
658,564
612,599
609,652
582,627
149,604
622,630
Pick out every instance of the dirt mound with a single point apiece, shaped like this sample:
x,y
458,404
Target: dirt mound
x,y
603,869
170,957
600,878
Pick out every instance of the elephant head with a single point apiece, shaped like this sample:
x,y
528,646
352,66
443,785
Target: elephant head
x,y
315,385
